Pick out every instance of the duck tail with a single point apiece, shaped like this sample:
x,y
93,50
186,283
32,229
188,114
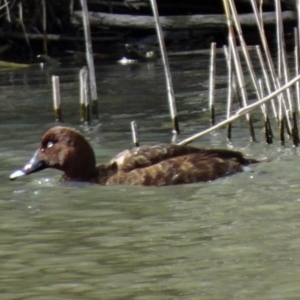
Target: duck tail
x,y
250,161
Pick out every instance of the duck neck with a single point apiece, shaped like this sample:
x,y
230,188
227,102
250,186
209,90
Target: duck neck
x,y
84,169
83,175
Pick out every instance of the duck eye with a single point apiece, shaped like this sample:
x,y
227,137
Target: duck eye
x,y
49,144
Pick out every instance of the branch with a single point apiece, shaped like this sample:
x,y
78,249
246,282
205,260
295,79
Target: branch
x,y
55,37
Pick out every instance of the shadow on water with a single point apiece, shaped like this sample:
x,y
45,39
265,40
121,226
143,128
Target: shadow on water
x,y
234,238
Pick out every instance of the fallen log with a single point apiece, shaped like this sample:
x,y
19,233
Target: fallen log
x,y
173,22
170,6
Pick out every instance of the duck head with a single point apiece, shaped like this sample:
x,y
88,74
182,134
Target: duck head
x,y
65,149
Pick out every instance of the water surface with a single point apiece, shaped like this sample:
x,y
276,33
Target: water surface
x,y
234,238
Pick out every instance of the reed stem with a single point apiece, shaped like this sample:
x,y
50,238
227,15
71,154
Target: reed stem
x,y
90,58
85,115
169,84
56,98
134,134
212,74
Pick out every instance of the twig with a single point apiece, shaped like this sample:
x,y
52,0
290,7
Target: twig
x,y
23,27
212,74
297,61
228,56
44,16
7,11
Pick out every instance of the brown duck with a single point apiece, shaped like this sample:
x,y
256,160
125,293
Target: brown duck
x,y
67,150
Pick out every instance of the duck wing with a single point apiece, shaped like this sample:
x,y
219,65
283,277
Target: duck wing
x,y
193,167
146,156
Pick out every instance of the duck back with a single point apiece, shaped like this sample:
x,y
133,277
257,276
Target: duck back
x,y
166,164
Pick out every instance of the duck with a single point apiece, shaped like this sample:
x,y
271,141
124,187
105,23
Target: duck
x,y
67,150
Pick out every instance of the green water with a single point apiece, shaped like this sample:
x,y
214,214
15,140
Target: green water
x,y
234,238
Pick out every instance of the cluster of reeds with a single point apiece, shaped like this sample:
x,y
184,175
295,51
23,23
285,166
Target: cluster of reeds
x,y
276,82
87,79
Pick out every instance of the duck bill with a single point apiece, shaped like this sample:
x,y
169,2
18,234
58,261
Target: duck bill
x,y
34,165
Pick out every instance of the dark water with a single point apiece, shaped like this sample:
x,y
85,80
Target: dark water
x,y
234,238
